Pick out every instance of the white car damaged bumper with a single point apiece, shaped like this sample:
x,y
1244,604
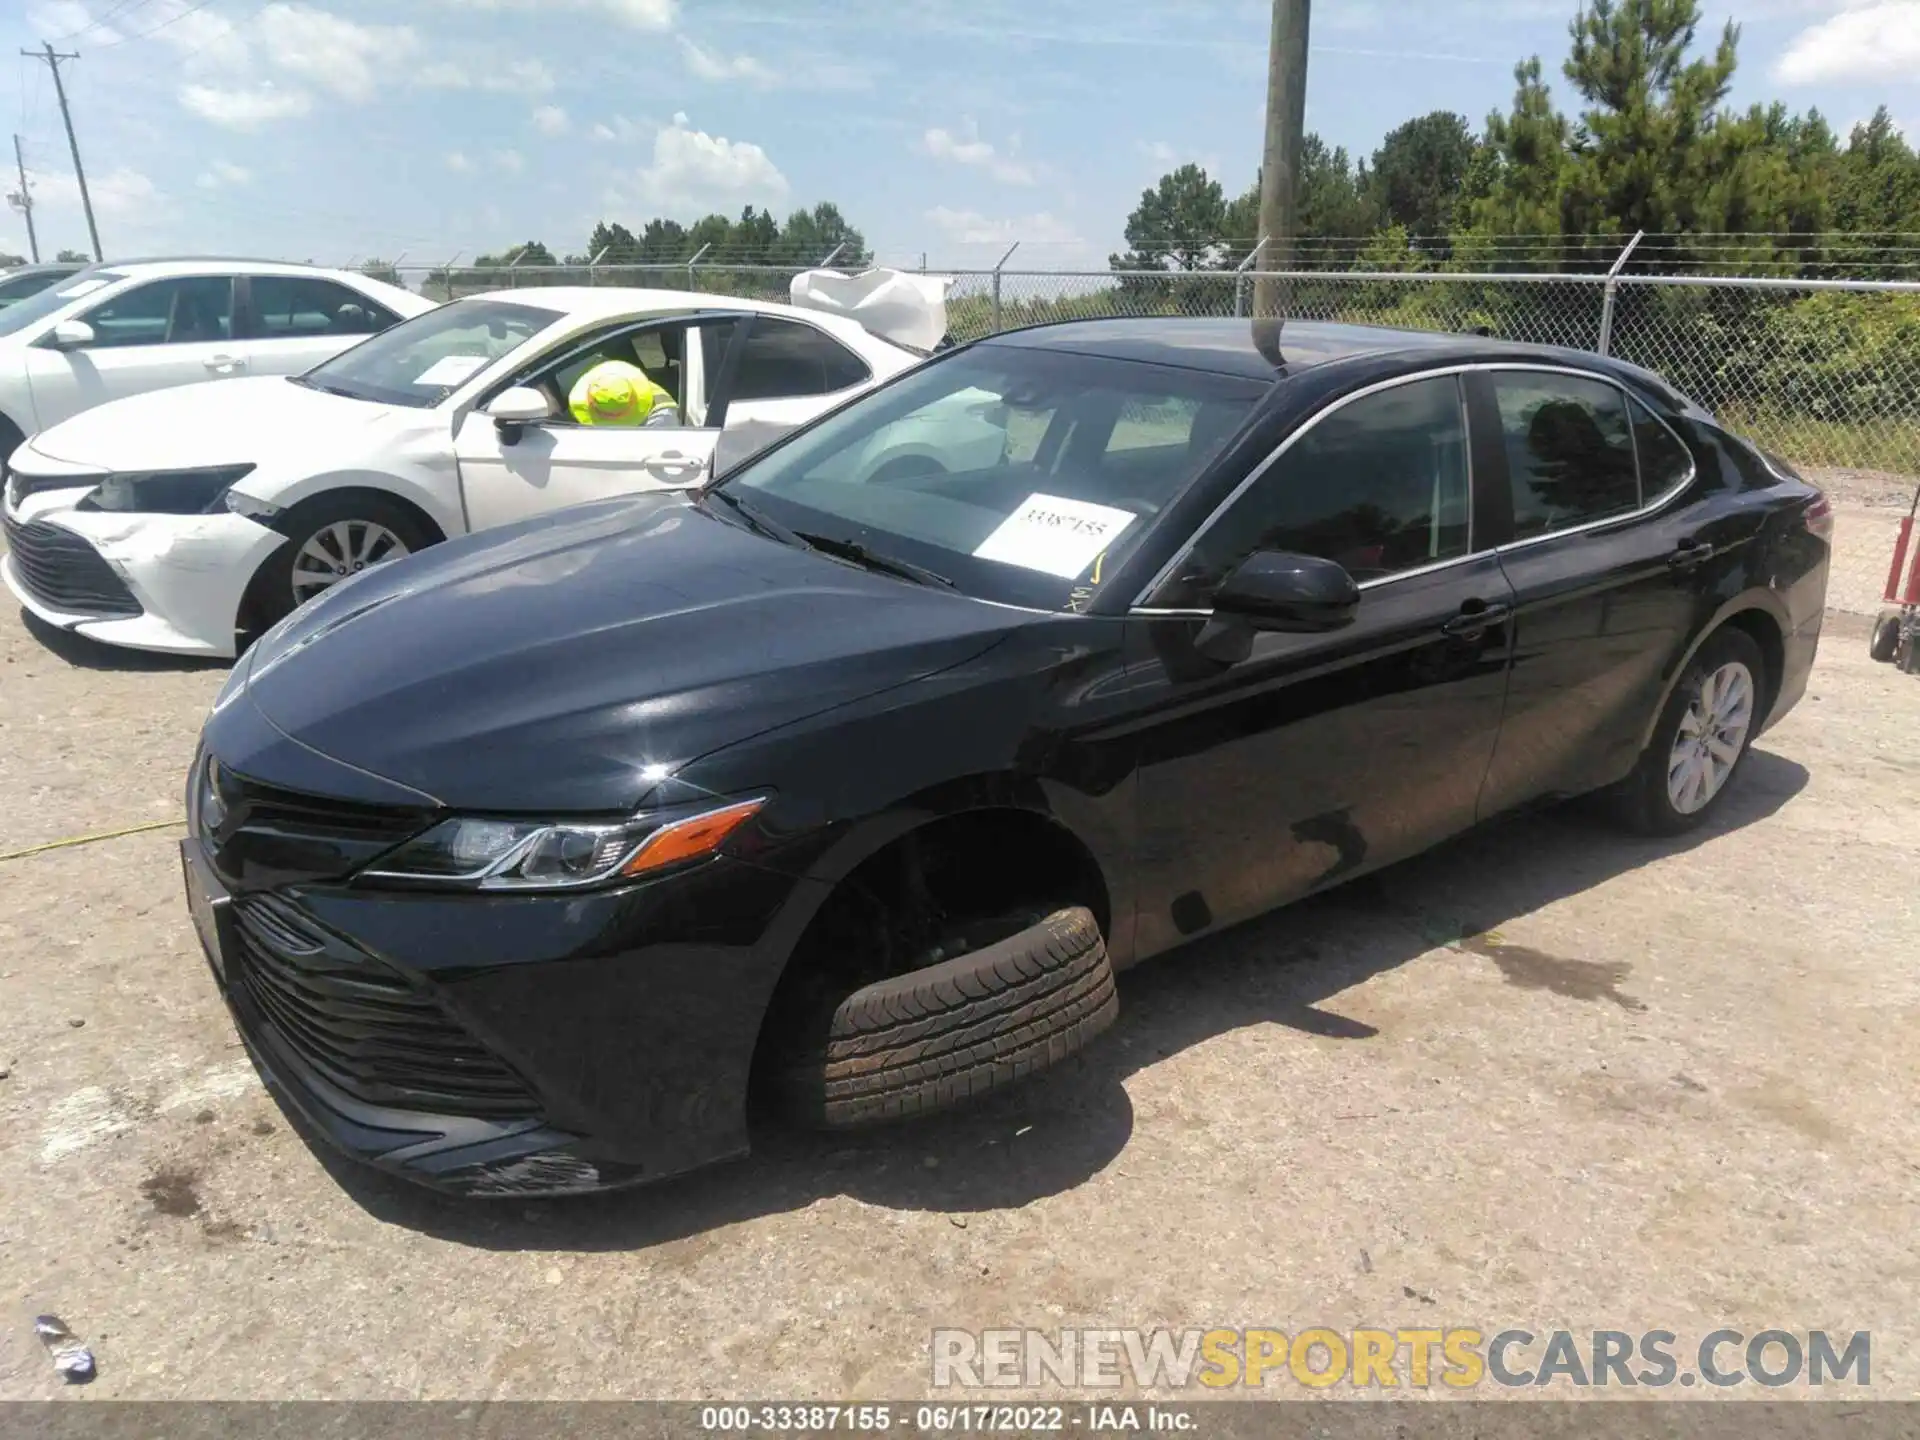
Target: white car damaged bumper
x,y
170,583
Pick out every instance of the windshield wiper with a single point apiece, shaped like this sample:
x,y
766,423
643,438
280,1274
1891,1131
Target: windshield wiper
x,y
757,520
860,555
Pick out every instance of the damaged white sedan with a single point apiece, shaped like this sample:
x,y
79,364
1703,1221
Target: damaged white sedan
x,y
190,521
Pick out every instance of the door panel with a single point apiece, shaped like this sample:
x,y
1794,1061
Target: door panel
x,y
1319,757
1601,613
147,337
549,466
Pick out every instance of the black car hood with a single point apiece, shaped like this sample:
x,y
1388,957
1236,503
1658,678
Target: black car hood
x,y
566,664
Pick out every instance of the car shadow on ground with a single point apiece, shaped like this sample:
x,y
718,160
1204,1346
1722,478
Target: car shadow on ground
x,y
84,654
1286,970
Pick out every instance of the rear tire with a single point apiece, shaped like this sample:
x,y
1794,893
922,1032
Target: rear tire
x,y
1886,639
936,1037
1685,772
350,524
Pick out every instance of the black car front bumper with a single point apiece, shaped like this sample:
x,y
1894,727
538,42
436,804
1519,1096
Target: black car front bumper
x,y
506,1045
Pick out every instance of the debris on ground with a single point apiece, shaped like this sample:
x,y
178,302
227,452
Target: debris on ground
x,y
72,1359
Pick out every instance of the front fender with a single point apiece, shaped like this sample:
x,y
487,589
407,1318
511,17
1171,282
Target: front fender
x,y
429,489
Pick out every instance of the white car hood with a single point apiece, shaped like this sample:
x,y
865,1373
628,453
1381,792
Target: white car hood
x,y
216,422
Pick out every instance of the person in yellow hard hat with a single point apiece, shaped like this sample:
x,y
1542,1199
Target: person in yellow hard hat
x,y
615,392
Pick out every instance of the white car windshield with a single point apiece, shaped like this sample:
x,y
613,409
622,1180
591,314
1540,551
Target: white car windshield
x,y
1017,474
51,301
419,362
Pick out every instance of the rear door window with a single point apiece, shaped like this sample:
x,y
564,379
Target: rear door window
x,y
290,307
785,360
1570,451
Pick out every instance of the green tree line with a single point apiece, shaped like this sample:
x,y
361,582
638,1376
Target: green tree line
x,y
1651,145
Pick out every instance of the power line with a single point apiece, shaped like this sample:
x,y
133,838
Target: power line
x,y
53,58
101,21
155,30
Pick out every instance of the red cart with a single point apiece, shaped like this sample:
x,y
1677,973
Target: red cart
x,y
1896,634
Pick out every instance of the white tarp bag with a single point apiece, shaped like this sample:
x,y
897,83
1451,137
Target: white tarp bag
x,y
903,306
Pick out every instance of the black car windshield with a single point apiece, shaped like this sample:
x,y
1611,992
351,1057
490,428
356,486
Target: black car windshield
x,y
419,362
1022,475
44,304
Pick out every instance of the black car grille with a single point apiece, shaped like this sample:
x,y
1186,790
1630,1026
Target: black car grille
x,y
265,837
63,572
361,1025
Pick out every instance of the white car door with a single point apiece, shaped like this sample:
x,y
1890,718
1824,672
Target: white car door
x,y
173,331
510,472
290,323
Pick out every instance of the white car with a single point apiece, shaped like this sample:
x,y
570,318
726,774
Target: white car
x,y
192,521
109,331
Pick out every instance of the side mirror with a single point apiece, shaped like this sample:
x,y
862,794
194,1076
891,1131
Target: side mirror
x,y
1298,594
520,405
516,408
1275,591
71,335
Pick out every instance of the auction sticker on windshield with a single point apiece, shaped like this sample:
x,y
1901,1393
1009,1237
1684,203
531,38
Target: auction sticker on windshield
x,y
450,370
1055,535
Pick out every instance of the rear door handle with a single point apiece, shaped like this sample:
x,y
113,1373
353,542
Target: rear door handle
x,y
223,364
1690,553
1475,616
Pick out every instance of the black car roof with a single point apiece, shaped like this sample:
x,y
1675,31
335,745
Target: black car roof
x,y
1227,345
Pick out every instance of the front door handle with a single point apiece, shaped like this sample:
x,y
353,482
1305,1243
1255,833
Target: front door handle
x,y
225,364
1475,616
1689,553
674,465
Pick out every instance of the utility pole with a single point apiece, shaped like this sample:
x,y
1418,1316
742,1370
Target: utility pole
x,y
23,202
1280,164
53,58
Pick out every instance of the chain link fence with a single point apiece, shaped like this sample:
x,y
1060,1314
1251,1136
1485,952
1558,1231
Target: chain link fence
x,y
1826,373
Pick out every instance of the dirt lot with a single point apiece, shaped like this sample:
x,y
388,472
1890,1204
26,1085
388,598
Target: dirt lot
x,y
1659,1086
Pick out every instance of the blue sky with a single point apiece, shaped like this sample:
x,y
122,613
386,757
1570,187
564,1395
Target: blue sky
x,y
341,129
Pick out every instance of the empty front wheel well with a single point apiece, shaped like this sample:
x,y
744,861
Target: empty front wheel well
x,y
903,905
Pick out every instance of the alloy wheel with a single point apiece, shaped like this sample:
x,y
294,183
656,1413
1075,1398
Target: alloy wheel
x,y
346,547
1712,734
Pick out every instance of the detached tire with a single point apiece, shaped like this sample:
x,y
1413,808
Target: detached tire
x,y
915,1043
1885,643
1703,720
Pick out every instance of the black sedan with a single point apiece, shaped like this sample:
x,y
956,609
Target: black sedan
x,y
524,861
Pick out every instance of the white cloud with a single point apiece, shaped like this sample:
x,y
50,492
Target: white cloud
x,y
800,71
68,19
970,149
332,53
970,227
223,172
245,108
694,173
1865,42
640,14
120,193
712,65
551,120
458,162
510,161
517,77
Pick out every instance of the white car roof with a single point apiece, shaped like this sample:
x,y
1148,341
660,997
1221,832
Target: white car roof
x,y
404,301
590,304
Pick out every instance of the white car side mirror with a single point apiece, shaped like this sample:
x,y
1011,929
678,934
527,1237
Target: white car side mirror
x,y
520,405
72,334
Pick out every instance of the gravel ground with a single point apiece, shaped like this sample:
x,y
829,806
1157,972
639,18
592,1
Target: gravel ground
x,y
1659,1086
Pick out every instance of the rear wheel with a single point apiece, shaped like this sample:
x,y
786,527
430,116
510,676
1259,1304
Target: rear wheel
x,y
329,539
1700,741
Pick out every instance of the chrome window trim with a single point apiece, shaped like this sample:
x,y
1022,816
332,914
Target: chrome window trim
x,y
1647,508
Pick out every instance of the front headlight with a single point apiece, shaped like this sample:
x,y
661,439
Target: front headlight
x,y
166,492
470,853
